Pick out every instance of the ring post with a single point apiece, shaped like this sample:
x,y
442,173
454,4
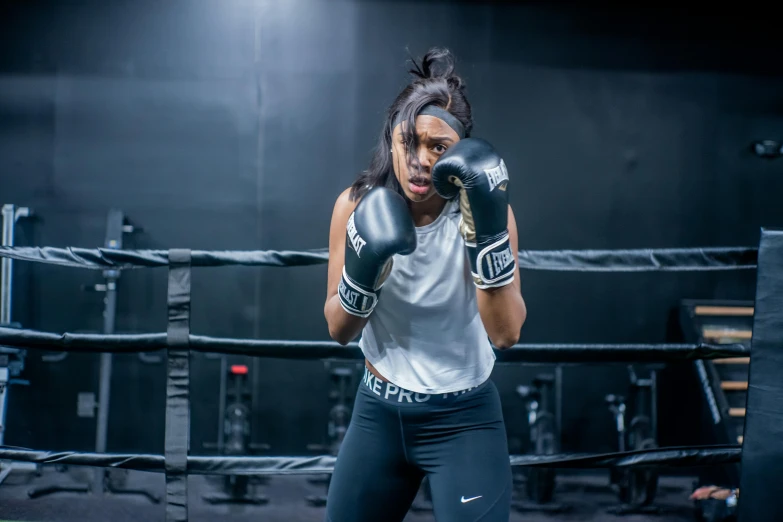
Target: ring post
x,y
177,440
762,452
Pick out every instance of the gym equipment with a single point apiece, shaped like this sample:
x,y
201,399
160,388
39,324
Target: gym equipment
x,y
11,359
11,366
636,488
769,149
234,435
11,215
544,440
104,480
343,382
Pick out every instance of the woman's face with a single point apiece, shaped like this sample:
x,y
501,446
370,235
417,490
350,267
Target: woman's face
x,y
435,137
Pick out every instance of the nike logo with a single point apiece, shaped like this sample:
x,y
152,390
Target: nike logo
x,y
464,500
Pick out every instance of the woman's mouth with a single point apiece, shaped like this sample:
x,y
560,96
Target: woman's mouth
x,y
419,185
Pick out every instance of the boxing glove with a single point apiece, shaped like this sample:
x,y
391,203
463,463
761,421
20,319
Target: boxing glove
x,y
474,171
379,227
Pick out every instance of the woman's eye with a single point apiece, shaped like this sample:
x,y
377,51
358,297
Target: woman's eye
x,y
439,148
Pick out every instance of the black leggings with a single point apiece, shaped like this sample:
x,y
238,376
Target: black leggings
x,y
397,437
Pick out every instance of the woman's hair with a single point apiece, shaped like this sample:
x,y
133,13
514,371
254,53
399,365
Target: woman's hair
x,y
434,83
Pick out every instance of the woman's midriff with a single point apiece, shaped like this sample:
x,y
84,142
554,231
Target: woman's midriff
x,y
374,371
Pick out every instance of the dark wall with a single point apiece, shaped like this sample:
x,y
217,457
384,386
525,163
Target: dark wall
x,y
234,125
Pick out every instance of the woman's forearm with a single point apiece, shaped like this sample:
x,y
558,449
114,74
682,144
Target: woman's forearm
x,y
343,327
503,313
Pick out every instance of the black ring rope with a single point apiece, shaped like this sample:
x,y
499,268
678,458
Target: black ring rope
x,y
639,260
306,350
208,465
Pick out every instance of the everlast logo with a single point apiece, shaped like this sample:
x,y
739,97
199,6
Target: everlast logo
x,y
497,177
352,298
349,296
356,240
499,261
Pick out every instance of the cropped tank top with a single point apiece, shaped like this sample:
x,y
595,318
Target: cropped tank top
x,y
426,334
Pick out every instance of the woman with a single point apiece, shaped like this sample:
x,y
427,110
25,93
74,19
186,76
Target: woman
x,y
428,279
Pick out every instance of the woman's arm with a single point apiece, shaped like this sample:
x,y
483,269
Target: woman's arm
x,y
502,309
343,327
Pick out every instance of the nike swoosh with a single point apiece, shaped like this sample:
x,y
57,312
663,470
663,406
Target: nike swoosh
x,y
463,499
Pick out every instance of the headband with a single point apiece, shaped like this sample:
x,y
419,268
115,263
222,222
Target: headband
x,y
442,114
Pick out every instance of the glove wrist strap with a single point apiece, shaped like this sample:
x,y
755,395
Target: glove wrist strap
x,y
492,263
356,299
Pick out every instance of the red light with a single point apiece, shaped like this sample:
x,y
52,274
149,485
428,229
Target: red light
x,y
239,369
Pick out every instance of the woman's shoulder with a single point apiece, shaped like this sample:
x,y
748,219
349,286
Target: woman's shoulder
x,y
346,200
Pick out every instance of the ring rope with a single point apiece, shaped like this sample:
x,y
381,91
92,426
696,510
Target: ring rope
x,y
306,350
685,456
639,260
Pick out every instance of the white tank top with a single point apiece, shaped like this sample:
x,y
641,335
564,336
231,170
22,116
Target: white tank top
x,y
425,334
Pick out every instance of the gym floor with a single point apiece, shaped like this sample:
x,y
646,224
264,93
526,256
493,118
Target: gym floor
x,y
586,495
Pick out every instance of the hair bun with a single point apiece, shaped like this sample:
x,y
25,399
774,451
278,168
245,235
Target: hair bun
x,y
437,63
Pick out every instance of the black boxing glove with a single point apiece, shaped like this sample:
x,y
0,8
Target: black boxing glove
x,y
379,227
473,170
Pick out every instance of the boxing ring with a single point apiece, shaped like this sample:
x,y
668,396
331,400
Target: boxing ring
x,y
761,454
